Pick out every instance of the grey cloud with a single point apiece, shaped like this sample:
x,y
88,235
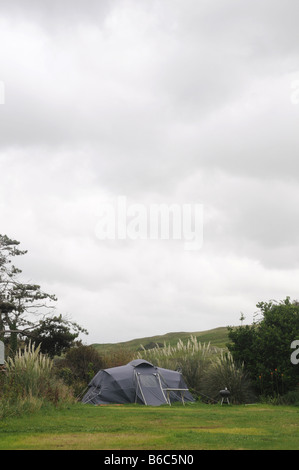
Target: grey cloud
x,y
186,102
56,14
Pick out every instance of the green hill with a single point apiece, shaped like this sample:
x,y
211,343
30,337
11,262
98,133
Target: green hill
x,y
217,337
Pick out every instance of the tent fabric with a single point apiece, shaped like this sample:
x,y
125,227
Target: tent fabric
x,y
136,382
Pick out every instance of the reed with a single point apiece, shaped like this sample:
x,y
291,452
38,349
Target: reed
x,y
192,359
29,369
206,369
225,373
30,383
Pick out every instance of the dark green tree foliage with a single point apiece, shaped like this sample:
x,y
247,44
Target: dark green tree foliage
x,y
56,335
265,347
84,362
17,299
20,302
8,272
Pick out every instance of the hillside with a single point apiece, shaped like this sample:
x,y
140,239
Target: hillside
x,y
217,337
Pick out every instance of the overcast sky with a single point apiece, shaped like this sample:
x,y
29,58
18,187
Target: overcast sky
x,y
159,102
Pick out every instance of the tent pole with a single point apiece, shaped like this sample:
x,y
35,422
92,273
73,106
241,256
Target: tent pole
x,y
93,396
168,403
136,379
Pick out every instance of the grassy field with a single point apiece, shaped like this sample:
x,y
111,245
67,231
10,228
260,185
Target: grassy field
x,y
136,427
217,337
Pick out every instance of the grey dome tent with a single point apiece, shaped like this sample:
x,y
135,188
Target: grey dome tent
x,y
137,382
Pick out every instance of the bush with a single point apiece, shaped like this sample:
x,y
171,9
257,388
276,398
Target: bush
x,y
191,359
29,383
225,373
264,347
12,407
117,357
80,364
29,369
206,369
291,398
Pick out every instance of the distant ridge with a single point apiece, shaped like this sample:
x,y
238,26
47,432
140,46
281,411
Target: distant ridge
x,y
217,337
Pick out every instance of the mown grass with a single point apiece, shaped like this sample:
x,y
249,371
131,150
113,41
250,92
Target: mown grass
x,y
136,427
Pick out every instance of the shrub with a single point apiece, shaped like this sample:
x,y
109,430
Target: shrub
x,y
225,373
117,357
80,364
29,383
191,359
206,369
11,407
291,398
29,368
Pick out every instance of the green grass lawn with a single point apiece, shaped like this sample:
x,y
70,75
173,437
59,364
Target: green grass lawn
x,y
136,427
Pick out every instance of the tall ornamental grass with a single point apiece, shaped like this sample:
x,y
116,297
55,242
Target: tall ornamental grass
x,y
225,373
29,370
192,359
206,369
30,383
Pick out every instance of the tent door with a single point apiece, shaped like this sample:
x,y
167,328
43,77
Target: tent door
x,y
150,388
139,389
